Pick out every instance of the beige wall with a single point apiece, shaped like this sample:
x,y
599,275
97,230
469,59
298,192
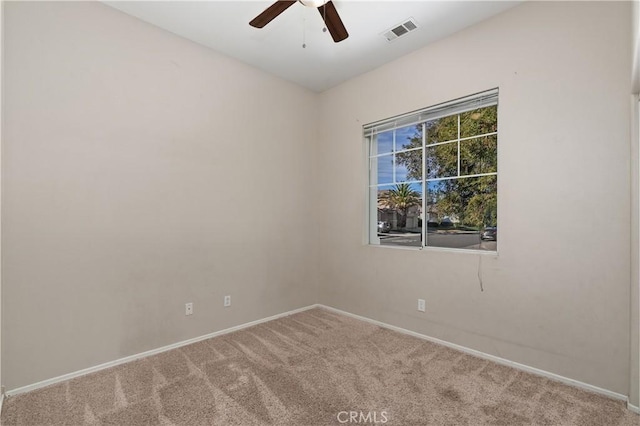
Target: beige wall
x,y
141,172
634,385
634,298
557,295
1,119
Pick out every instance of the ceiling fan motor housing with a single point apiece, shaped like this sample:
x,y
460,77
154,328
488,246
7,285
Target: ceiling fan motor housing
x,y
313,3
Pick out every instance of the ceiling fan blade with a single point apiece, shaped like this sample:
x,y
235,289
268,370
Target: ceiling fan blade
x,y
270,13
333,22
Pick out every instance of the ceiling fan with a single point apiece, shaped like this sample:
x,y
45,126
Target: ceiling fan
x,y
326,8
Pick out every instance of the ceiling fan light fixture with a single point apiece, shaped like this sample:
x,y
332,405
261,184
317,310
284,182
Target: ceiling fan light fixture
x,y
313,3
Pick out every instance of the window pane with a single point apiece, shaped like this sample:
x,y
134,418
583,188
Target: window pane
x,y
409,137
399,215
409,165
441,155
442,130
442,160
479,155
401,172
382,169
462,213
382,144
479,121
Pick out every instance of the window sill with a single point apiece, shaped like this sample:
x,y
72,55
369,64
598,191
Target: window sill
x,y
436,249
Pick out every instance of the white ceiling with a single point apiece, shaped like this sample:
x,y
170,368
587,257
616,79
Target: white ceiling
x,y
277,48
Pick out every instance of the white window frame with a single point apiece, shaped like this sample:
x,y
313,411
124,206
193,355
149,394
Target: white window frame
x,y
457,106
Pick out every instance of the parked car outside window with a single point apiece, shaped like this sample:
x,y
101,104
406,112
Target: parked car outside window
x,y
490,233
383,226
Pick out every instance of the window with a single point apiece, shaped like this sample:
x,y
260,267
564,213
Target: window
x,y
433,176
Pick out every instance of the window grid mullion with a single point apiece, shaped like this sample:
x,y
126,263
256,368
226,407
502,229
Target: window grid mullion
x,y
425,213
464,139
393,159
399,152
463,176
380,185
437,143
458,145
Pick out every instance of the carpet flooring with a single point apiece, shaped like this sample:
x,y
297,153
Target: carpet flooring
x,y
313,368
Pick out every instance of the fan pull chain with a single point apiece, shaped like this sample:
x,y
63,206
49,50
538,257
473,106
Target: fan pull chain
x,y
304,33
324,17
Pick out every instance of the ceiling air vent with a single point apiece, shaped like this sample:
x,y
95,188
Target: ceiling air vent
x,y
401,29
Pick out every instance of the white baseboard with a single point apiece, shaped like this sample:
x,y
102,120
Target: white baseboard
x,y
464,349
490,357
130,358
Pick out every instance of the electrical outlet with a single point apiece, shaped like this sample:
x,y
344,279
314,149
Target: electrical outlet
x,y
188,309
227,301
421,305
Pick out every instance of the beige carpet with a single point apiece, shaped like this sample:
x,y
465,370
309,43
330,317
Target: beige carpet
x,y
313,368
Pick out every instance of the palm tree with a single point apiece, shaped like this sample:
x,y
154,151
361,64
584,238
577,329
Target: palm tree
x,y
401,199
